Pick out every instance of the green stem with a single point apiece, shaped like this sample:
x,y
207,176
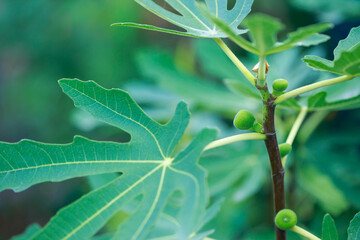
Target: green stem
x,y
262,72
236,61
236,138
304,233
311,87
295,129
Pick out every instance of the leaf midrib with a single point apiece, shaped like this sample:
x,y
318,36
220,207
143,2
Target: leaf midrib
x,y
156,200
82,162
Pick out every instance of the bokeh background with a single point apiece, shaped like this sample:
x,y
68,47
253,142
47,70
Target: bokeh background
x,y
42,41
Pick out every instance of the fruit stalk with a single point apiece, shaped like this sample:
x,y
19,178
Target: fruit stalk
x,y
304,233
277,169
233,139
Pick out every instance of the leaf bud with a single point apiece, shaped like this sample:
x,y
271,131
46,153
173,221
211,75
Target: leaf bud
x,y
256,67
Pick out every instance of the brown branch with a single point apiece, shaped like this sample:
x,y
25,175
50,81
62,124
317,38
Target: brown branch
x,y
277,169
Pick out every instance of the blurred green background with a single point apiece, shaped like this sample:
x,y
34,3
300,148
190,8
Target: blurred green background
x,y
42,41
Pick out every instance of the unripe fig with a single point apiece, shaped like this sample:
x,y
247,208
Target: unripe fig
x,y
284,149
244,120
285,219
280,85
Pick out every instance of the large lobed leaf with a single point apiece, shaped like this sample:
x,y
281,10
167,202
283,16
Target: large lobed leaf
x,y
151,172
186,14
28,162
346,57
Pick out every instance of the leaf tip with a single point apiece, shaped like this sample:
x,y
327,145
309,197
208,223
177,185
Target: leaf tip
x,y
183,104
330,25
64,81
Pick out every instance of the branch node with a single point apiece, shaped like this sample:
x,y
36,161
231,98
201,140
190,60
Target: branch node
x,y
265,88
270,134
279,174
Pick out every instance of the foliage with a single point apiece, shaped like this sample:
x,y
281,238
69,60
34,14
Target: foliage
x,y
264,30
140,169
152,186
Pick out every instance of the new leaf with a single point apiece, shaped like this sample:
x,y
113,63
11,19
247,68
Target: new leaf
x,y
264,30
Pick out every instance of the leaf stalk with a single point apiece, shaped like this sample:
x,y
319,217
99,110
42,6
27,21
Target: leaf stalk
x,y
304,233
311,87
236,61
295,129
262,72
236,138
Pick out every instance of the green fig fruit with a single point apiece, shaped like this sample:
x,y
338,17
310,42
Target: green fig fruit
x,y
244,120
284,149
280,85
285,219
